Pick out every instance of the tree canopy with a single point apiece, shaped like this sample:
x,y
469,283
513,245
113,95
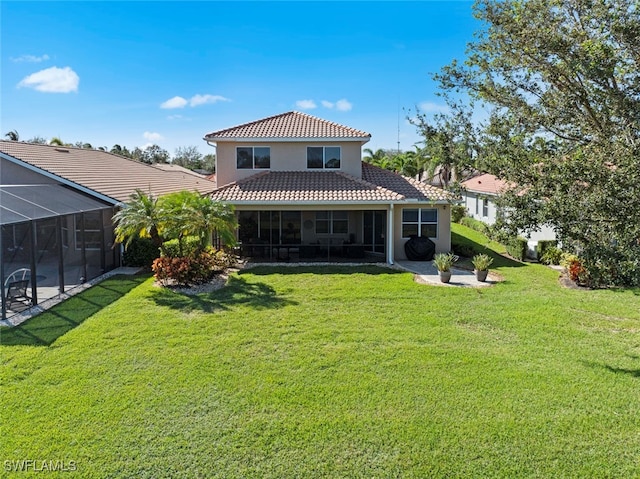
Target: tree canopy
x,y
562,80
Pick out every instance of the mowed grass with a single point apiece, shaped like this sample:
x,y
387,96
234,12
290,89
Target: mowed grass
x,y
337,372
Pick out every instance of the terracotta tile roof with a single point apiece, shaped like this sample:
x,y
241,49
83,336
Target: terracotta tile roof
x,y
485,183
177,168
409,188
327,187
292,125
110,175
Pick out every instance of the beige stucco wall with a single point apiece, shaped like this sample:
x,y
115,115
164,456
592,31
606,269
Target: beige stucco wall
x,y
285,156
443,241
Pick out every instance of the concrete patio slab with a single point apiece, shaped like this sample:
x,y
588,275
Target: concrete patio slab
x,y
427,273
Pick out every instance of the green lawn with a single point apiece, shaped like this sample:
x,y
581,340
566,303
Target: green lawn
x,y
331,372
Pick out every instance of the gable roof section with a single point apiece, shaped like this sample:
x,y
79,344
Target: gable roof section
x,y
292,125
108,176
409,188
328,187
485,183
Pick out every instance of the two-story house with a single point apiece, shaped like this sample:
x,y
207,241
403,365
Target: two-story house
x,y
301,191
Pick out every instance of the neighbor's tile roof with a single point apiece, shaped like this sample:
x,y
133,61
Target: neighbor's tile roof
x,y
328,187
485,183
292,124
110,175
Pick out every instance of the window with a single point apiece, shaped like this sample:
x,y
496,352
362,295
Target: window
x,y
485,208
323,157
253,157
332,222
420,222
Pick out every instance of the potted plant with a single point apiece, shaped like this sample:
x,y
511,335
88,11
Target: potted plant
x,y
481,263
443,263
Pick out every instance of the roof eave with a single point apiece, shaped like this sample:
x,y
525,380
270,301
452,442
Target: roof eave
x,y
289,139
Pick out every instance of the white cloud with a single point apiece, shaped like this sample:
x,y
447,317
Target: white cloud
x,y
430,107
30,58
152,136
196,100
204,99
175,102
343,105
306,104
340,105
174,117
52,80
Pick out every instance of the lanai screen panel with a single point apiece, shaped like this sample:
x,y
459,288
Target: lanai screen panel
x,y
29,202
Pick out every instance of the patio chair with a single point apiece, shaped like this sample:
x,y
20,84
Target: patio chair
x,y
16,286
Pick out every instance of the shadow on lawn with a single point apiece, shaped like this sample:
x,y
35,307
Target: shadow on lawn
x,y
237,292
45,328
320,269
630,372
499,261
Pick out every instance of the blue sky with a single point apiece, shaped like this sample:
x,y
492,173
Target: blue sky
x,y
136,73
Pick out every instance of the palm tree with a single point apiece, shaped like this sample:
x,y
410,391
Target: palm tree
x,y
12,135
377,158
140,217
187,213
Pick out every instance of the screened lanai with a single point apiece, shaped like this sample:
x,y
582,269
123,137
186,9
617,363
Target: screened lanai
x,y
53,239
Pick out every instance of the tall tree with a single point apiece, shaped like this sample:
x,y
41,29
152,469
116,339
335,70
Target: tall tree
x,y
188,157
154,154
38,140
563,80
449,146
12,135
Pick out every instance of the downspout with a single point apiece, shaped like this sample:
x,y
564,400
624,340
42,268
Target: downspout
x,y
390,235
215,146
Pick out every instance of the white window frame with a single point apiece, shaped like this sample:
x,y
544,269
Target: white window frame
x,y
419,223
253,157
324,157
485,207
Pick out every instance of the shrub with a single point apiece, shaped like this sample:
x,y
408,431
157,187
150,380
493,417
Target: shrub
x,y
517,248
477,225
457,213
187,246
189,270
551,255
542,247
140,252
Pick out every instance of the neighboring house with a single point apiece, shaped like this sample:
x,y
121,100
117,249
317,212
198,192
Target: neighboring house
x,y
178,169
301,191
480,194
56,205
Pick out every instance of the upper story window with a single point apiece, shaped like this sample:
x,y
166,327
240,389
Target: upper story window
x,y
323,157
253,157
